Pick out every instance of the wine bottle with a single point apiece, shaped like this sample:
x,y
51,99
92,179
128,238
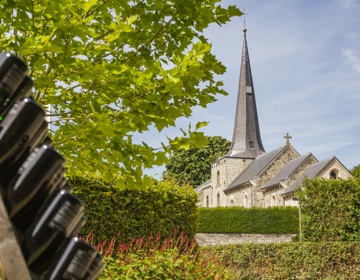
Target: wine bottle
x,y
35,180
58,219
12,72
22,122
78,260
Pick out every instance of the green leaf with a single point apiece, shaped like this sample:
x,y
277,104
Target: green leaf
x,y
114,69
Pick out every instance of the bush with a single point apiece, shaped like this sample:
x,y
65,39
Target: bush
x,y
149,258
331,210
135,213
340,260
248,220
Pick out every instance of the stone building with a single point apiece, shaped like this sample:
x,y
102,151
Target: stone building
x,y
250,177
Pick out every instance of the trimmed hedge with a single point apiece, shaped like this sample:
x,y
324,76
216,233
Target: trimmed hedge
x,y
134,213
332,260
249,220
331,210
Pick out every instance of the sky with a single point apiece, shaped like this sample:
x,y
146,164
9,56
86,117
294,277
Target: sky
x,y
305,62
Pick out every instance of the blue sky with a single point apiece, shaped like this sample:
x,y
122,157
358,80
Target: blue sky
x,y
305,61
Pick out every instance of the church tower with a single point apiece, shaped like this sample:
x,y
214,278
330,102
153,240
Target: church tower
x,y
246,142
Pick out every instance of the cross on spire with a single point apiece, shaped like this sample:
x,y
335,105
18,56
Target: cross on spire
x,y
287,137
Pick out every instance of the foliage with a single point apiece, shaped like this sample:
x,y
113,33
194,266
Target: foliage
x,y
134,213
193,166
355,172
248,220
114,68
331,210
149,258
332,260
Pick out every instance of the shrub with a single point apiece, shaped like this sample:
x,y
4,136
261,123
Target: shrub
x,y
332,260
150,258
135,213
331,210
248,220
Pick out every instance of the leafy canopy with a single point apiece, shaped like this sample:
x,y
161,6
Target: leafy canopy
x,y
193,166
111,69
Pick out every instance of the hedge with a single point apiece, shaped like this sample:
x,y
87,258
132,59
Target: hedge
x,y
249,220
336,260
134,213
331,210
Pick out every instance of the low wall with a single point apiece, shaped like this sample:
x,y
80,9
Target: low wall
x,y
211,239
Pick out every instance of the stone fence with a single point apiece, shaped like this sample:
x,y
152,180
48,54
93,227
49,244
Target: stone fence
x,y
211,239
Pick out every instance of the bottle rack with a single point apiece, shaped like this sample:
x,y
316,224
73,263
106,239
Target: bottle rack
x,y
11,258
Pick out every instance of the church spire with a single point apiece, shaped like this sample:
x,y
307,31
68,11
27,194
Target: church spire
x,y
246,142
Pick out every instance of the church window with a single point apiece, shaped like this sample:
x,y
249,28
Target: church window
x,y
273,200
334,174
246,201
248,89
218,179
207,201
232,200
251,144
218,200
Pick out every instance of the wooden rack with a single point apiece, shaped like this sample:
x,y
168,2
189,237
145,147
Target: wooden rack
x,y
11,258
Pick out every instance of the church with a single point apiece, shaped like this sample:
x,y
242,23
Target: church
x,y
250,177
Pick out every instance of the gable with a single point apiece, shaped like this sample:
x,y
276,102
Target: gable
x,y
321,169
292,168
265,165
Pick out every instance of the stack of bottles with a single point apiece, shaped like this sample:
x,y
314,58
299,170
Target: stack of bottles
x,y
45,215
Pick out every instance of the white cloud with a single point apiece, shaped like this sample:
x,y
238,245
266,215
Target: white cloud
x,y
354,58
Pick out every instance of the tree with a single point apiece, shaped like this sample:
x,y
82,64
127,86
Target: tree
x,y
193,166
111,69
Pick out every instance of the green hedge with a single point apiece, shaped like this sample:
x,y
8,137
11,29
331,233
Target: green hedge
x,y
331,210
134,213
248,220
340,260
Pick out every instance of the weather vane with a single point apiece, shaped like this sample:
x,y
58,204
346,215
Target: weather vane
x,y
244,29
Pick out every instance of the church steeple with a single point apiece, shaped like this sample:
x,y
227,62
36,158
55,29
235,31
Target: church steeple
x,y
246,142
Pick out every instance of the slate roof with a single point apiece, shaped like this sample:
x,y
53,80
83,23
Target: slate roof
x,y
312,171
203,186
286,171
246,141
255,168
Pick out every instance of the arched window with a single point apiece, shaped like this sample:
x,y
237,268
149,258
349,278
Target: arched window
x,y
334,174
273,200
218,179
207,201
218,200
251,144
246,201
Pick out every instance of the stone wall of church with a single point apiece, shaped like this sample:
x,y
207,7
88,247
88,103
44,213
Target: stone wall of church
x,y
223,172
242,197
288,154
290,202
273,196
207,197
338,168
